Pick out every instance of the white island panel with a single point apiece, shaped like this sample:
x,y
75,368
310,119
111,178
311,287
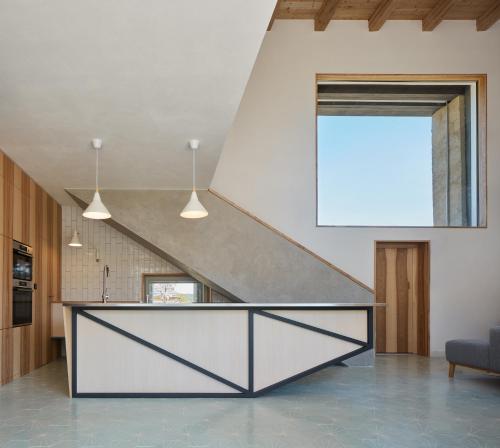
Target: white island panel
x,y
205,350
216,340
111,363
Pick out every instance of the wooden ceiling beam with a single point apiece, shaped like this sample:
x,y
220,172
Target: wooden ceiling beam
x,y
325,14
490,17
273,17
383,12
435,17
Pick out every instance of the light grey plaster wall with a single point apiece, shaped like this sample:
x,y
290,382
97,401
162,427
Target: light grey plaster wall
x,y
268,164
229,248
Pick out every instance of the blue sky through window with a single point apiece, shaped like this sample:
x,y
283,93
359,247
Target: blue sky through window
x,y
375,171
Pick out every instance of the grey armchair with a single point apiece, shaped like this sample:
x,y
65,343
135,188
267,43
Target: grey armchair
x,y
476,354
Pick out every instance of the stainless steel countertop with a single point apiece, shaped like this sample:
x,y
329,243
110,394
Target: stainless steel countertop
x,y
132,305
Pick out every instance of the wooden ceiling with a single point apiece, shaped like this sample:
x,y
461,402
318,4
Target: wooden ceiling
x,y
377,12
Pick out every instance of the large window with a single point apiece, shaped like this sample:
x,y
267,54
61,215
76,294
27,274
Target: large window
x,y
400,152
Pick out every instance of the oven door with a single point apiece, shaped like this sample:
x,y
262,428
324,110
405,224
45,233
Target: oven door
x,y
21,306
21,269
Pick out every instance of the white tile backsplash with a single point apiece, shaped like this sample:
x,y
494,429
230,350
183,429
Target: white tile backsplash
x,y
127,260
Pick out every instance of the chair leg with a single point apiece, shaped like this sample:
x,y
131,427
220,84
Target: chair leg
x,y
451,370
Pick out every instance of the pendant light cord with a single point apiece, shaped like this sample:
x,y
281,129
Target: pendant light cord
x,y
96,170
194,171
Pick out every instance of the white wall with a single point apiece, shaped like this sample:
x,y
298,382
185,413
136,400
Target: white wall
x,y
268,162
127,260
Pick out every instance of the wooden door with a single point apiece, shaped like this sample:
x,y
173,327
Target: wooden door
x,y
401,283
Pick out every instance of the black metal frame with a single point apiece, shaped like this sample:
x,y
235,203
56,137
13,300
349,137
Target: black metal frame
x,y
242,392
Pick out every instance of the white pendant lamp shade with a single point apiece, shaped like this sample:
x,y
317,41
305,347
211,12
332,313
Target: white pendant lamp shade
x,y
75,240
96,209
194,208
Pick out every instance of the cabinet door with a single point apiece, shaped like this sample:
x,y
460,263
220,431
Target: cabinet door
x,y
21,208
15,353
38,278
32,212
6,198
25,350
6,355
54,250
41,305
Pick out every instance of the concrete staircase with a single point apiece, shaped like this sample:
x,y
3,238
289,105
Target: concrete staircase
x,y
230,251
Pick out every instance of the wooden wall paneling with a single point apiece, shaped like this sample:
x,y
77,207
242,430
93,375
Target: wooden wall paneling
x,y
4,302
2,197
27,214
26,350
17,214
58,270
21,206
44,214
17,175
32,213
38,279
45,304
49,238
26,209
53,271
1,352
7,197
16,352
34,209
43,311
37,329
54,233
7,345
5,282
32,360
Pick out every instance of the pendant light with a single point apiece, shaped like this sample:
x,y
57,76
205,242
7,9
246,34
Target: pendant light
x,y
75,240
194,208
96,209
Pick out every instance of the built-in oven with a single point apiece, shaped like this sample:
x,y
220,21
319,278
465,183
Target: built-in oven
x,y
22,297
22,291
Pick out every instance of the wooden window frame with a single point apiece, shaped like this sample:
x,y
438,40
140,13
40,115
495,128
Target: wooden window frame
x,y
481,85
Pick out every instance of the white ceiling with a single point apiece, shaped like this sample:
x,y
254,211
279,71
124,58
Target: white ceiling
x,y
145,76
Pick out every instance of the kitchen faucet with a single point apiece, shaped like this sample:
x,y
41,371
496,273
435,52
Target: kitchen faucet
x,y
105,275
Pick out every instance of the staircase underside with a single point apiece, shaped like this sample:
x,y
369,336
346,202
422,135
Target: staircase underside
x,y
228,251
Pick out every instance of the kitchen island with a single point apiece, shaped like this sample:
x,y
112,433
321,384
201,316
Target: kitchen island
x,y
206,350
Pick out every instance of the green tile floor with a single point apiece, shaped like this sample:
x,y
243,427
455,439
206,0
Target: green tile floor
x,y
403,401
